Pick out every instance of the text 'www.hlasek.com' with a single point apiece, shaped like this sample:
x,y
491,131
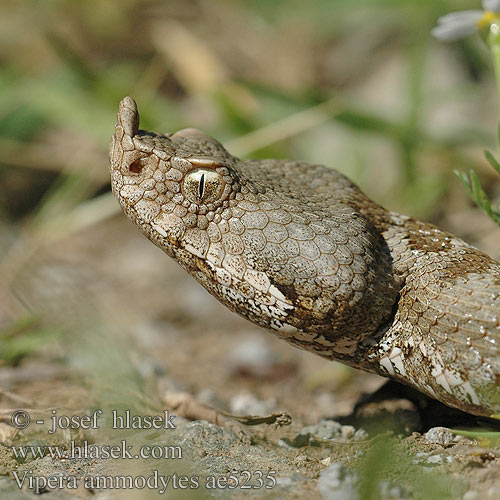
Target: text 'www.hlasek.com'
x,y
74,451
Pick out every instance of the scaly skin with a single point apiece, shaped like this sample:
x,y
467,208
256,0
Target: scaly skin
x,y
299,250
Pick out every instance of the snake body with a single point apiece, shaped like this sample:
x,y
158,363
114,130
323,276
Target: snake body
x,y
299,250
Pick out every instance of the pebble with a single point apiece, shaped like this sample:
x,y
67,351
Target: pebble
x,y
202,436
290,482
209,397
337,482
470,495
252,356
423,457
247,404
493,492
439,435
390,491
435,459
326,430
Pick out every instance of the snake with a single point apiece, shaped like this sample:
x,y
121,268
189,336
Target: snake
x,y
301,251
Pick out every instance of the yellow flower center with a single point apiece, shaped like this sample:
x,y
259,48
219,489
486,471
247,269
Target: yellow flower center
x,y
488,19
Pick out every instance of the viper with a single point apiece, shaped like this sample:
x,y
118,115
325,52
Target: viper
x,y
299,250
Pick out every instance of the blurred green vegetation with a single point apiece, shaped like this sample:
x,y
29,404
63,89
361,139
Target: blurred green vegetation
x,y
22,338
234,68
390,460
477,193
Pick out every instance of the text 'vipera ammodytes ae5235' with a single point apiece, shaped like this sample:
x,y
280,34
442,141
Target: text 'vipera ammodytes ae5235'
x,y
299,250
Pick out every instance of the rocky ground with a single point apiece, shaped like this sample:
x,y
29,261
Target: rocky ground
x,y
126,329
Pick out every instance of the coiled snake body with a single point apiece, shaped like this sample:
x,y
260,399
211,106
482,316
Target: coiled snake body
x,y
299,250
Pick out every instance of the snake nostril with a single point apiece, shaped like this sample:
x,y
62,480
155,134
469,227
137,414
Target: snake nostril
x,y
136,166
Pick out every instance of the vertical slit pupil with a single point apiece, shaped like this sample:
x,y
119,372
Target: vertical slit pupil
x,y
201,187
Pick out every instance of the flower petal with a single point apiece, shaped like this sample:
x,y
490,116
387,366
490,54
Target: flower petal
x,y
448,33
491,5
462,17
457,25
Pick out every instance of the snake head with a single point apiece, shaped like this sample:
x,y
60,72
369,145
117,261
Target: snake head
x,y
171,186
273,240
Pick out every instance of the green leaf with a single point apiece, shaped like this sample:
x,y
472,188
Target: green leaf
x,y
488,439
473,186
492,161
464,179
23,338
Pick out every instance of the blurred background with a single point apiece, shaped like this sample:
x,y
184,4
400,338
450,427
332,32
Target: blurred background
x,y
89,309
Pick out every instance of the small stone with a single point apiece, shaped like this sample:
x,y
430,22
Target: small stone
x,y
390,491
420,457
285,443
337,482
348,431
253,356
291,483
360,435
208,396
492,492
435,459
439,435
324,429
248,404
470,495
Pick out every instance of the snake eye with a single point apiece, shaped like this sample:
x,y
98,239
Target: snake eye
x,y
203,185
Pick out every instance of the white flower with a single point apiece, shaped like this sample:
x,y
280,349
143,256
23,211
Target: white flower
x,y
463,23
